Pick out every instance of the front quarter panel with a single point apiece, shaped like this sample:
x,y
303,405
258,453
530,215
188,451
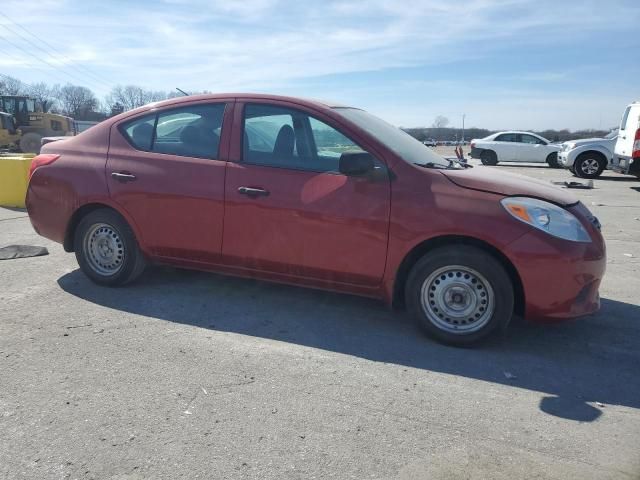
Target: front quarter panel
x,y
426,206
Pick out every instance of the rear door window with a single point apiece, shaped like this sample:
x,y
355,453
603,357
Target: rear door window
x,y
139,132
191,131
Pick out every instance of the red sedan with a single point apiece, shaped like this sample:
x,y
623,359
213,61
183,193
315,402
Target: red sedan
x,y
322,195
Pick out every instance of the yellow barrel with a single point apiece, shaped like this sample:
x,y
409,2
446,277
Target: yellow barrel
x,y
14,178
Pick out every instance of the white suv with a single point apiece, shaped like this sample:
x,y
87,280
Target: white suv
x,y
626,158
515,146
587,158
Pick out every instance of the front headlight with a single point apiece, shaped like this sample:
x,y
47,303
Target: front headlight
x,y
547,217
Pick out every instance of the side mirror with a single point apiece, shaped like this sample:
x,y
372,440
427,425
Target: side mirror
x,y
356,164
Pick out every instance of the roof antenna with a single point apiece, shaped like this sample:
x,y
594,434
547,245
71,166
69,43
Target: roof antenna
x,y
182,92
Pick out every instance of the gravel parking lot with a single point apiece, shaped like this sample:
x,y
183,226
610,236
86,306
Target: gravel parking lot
x,y
194,375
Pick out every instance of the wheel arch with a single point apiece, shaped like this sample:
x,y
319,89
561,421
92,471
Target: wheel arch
x,y
86,209
596,152
421,249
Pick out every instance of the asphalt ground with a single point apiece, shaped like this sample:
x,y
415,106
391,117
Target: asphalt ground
x,y
195,375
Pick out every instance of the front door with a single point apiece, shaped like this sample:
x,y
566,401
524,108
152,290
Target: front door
x,y
289,210
531,149
166,171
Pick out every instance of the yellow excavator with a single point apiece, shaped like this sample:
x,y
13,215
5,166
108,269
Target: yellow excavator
x,y
9,132
31,123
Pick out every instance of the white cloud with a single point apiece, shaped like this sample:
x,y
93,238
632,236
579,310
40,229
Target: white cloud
x,y
270,44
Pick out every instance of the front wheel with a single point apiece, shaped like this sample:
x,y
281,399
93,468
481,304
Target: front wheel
x,y
106,249
552,160
589,166
459,295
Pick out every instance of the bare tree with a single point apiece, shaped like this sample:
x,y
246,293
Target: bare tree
x,y
132,96
440,122
77,101
44,94
11,85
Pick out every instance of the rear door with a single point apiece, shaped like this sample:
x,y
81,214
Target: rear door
x,y
288,209
166,170
628,127
505,147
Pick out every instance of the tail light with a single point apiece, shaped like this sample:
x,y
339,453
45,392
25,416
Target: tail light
x,y
42,160
636,145
473,145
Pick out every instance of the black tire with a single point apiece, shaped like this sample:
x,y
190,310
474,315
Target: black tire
x,y
589,165
463,259
552,160
489,157
123,264
30,143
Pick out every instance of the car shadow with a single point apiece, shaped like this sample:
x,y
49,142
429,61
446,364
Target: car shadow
x,y
579,366
608,178
522,165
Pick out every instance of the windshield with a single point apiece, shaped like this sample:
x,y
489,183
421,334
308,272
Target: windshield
x,y
612,134
401,143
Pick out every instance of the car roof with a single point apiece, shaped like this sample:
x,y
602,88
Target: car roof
x,y
249,96
177,101
517,131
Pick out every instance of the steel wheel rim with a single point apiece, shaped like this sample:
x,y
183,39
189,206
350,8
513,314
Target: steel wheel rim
x,y
589,166
457,299
104,249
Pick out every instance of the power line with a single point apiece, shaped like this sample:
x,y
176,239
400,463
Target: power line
x,y
75,78
72,75
55,50
31,65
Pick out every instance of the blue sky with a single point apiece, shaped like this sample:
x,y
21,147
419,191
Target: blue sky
x,y
505,64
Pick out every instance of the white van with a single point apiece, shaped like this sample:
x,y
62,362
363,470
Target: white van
x,y
626,156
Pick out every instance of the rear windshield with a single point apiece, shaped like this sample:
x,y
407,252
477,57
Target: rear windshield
x,y
400,142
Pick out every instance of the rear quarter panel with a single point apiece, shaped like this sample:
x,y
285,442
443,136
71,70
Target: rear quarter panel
x,y
77,178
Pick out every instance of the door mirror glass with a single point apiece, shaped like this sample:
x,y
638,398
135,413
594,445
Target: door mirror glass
x,y
356,163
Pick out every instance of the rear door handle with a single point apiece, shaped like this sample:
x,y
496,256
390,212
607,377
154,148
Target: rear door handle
x,y
253,192
123,177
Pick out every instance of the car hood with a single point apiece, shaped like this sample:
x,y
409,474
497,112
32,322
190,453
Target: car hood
x,y
585,141
509,184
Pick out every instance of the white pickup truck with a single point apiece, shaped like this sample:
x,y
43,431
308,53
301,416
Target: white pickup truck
x,y
588,157
515,146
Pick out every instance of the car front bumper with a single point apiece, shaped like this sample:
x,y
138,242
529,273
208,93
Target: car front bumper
x,y
560,279
566,159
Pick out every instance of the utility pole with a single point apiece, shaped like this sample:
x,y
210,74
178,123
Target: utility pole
x,y
463,115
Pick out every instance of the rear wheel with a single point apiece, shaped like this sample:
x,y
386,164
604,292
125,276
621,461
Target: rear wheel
x,y
30,142
552,160
489,157
459,295
589,165
106,249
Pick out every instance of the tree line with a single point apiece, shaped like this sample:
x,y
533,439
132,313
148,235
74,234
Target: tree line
x,y
439,131
80,102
